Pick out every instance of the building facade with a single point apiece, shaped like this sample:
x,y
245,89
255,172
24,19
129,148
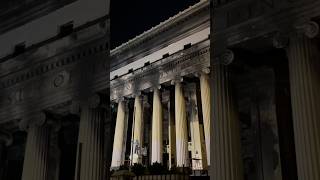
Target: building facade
x,y
53,76
224,88
160,94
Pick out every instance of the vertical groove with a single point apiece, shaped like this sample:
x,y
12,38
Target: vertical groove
x,y
196,140
137,138
157,143
90,125
36,160
118,137
206,110
304,71
181,128
227,162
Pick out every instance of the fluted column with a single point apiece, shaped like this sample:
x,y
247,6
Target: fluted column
x,y
196,139
91,143
35,166
118,142
181,127
206,110
226,163
137,131
157,118
304,67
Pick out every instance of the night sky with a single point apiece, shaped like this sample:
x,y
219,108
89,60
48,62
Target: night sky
x,y
130,18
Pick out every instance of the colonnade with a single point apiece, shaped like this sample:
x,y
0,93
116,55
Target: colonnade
x,y
90,157
183,119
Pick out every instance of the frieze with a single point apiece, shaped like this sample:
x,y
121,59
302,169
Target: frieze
x,y
182,63
241,20
53,64
56,87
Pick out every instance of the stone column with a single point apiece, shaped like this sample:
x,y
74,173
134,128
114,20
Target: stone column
x,y
196,139
226,162
119,136
206,110
5,141
137,131
181,127
157,118
304,69
90,163
35,166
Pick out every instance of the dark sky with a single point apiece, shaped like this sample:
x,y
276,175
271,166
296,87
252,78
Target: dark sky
x,y
132,17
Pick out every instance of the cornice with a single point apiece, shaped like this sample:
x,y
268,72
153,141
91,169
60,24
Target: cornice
x,y
182,63
24,12
53,63
163,27
265,19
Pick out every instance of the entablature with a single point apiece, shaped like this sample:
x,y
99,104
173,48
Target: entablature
x,y
194,19
189,61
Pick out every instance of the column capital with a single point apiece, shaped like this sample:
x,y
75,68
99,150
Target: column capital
x,y
96,100
34,120
280,40
178,79
308,28
225,58
6,138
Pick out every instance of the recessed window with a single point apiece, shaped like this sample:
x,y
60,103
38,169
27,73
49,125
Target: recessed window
x,y
19,48
165,55
187,46
147,63
66,29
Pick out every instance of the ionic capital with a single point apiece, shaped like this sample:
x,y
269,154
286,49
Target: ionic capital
x,y
225,58
96,100
280,40
178,79
34,120
6,138
308,28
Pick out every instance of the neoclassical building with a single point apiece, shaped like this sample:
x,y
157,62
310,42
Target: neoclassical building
x,y
53,89
265,115
237,96
225,88
160,94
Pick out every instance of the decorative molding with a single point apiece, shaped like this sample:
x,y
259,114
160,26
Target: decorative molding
x,y
6,138
180,64
54,63
226,58
34,120
276,16
162,27
309,28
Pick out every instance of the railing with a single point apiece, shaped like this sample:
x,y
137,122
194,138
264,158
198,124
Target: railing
x,y
163,177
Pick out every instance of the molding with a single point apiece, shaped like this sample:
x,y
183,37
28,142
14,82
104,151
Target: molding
x,y
161,28
74,76
265,19
182,63
226,58
310,29
34,120
186,23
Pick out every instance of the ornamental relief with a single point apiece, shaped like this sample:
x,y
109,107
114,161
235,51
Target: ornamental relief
x,y
35,89
165,72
